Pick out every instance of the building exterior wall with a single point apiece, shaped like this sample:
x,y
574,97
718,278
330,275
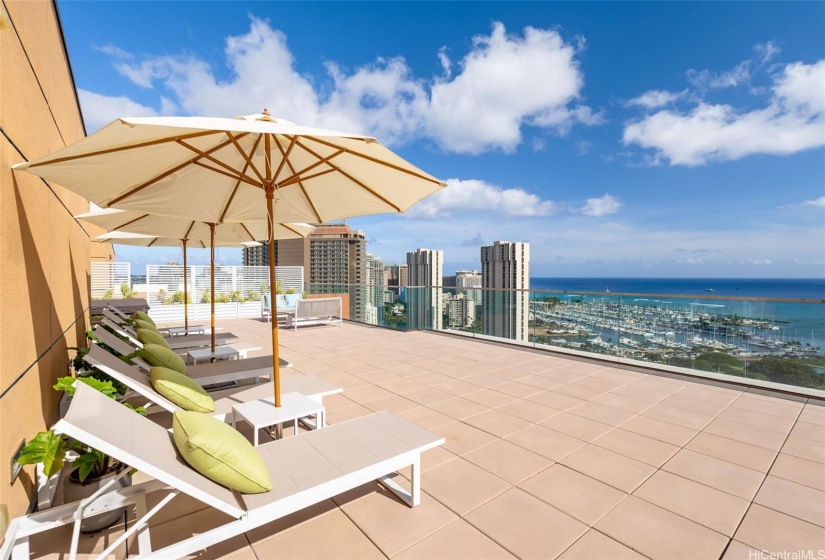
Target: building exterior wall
x,y
374,293
425,305
45,253
505,271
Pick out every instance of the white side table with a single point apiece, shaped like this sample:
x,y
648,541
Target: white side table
x,y
181,331
264,413
244,348
206,353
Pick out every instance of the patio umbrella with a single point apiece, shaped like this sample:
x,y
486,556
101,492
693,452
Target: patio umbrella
x,y
132,228
141,240
215,170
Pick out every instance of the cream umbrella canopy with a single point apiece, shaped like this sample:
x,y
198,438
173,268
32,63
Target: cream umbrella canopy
x,y
215,170
133,228
141,240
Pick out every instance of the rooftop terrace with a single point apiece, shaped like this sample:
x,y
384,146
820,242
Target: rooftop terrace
x,y
545,457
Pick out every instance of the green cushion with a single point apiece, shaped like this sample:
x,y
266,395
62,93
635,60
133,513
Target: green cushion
x,y
219,452
181,390
140,315
146,336
158,355
145,325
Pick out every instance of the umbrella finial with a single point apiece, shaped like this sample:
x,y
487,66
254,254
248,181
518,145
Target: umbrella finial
x,y
266,112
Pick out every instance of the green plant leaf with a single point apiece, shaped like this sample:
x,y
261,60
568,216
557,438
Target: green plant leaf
x,y
66,384
48,448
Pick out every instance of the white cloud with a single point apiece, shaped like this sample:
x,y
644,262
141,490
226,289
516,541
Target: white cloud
x,y
793,121
480,103
100,110
505,82
465,196
655,98
817,202
760,262
705,79
602,206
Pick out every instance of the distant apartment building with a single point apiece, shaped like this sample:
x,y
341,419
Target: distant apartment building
x,y
467,279
461,311
258,255
373,288
333,257
396,276
424,303
505,271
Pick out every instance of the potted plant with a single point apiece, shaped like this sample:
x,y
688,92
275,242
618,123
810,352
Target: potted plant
x,y
93,468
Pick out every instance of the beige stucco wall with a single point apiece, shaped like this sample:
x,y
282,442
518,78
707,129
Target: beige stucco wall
x,y
45,254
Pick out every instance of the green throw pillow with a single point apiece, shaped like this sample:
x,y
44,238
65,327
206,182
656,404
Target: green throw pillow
x,y
140,315
181,390
145,325
219,452
158,355
146,336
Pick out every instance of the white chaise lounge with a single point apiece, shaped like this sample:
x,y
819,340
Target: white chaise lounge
x,y
175,342
318,311
225,371
310,386
305,469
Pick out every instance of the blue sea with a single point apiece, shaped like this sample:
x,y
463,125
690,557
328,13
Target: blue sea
x,y
802,288
798,321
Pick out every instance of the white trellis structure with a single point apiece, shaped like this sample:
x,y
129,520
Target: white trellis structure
x,y
246,282
249,281
107,276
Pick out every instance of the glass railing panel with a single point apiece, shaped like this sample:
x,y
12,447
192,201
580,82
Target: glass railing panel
x,y
781,341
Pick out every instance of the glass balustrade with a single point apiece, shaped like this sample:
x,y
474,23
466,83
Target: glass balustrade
x,y
774,340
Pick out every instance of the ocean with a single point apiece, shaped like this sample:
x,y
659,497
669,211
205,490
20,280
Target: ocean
x,y
804,322
797,288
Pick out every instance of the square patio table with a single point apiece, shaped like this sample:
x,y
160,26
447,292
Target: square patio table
x,y
263,413
221,353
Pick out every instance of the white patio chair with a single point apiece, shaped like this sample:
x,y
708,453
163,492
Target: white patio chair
x,y
310,386
307,469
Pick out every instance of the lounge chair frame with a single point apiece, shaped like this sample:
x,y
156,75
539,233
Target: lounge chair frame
x,y
393,442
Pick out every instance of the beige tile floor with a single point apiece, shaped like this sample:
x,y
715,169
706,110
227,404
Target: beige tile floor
x,y
545,457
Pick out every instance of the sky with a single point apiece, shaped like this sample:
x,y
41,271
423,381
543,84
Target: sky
x,y
620,139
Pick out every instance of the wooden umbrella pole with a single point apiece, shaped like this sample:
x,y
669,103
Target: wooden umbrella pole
x,y
212,288
185,292
273,306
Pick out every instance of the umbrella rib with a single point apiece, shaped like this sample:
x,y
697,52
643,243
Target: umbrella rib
x,y
245,156
375,160
293,230
123,148
240,178
354,180
166,173
188,231
238,182
216,161
296,174
284,156
130,222
295,179
152,242
249,233
300,184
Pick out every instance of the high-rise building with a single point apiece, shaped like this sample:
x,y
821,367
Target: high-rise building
x,y
332,257
373,288
461,311
424,302
396,276
505,271
465,279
